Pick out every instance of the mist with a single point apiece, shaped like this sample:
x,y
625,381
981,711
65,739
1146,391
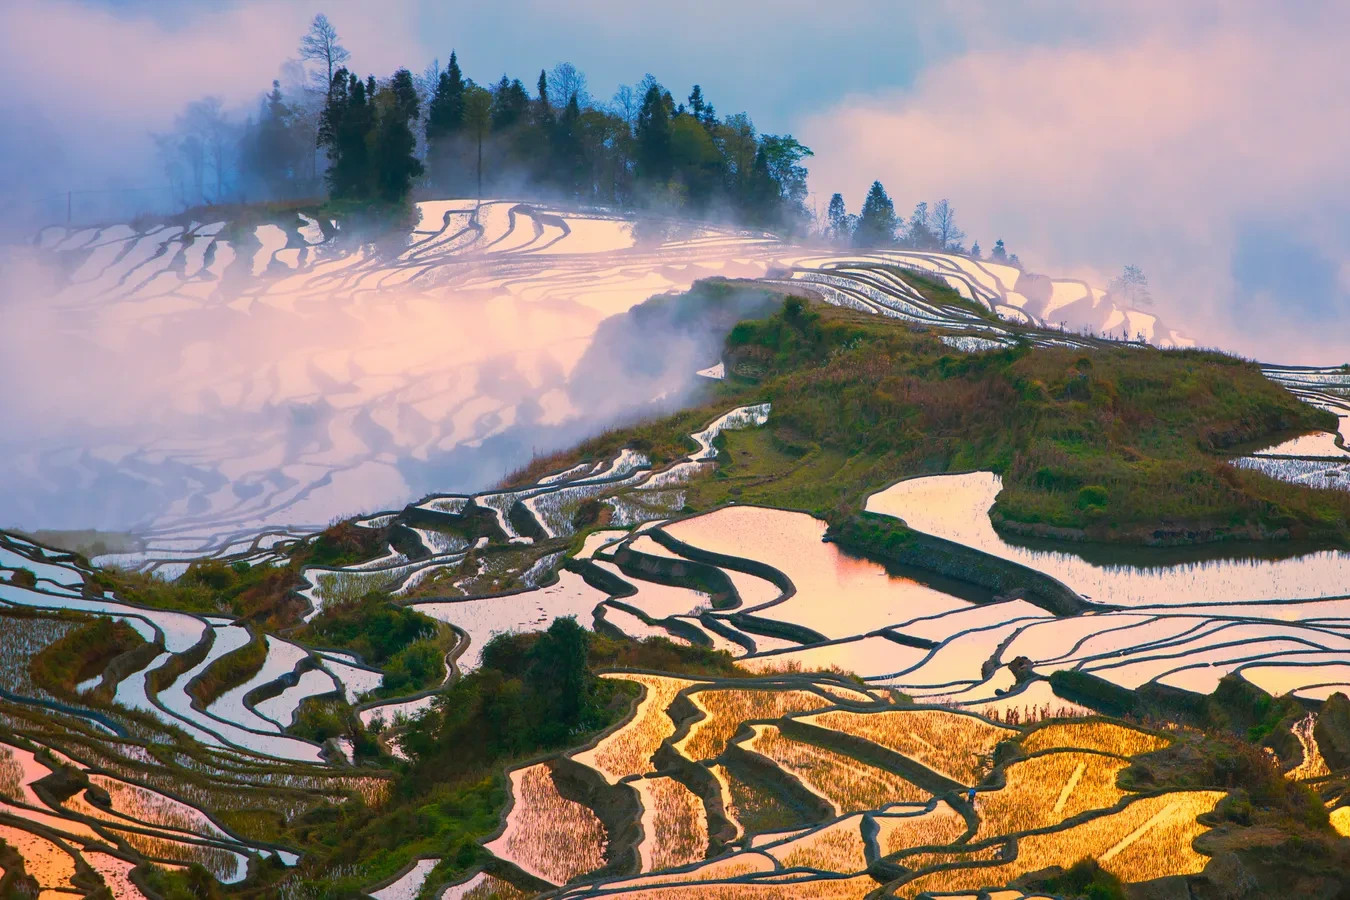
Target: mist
x,y
1208,152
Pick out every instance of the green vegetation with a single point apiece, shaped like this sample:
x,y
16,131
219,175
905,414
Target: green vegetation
x,y
1119,444
533,693
407,645
229,671
261,595
1084,879
82,654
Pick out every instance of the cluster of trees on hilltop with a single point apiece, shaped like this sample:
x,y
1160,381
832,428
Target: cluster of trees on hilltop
x,y
928,227
380,139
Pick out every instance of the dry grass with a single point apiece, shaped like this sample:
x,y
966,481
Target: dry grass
x,y
1045,790
1148,839
484,887
725,710
836,848
1340,820
848,784
745,804
937,857
546,834
11,775
674,823
817,889
726,867
939,826
628,750
1106,737
951,744
843,693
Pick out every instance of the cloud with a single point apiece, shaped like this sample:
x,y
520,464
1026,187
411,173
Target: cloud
x,y
100,80
1160,148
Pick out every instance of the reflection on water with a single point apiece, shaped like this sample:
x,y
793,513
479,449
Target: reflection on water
x,y
837,595
956,507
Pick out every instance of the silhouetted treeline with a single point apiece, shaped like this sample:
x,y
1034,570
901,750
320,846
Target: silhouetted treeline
x,y
878,225
380,140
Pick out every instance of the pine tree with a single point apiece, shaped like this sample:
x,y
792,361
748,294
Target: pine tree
x,y
569,160
1000,253
445,112
344,129
274,153
653,137
396,164
836,218
510,103
696,104
975,250
876,226
543,112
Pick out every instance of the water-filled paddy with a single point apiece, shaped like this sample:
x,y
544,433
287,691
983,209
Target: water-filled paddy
x,y
956,507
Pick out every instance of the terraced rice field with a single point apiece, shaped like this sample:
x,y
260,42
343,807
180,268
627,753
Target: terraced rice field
x,y
1150,838
848,785
546,834
628,750
801,783
725,710
955,746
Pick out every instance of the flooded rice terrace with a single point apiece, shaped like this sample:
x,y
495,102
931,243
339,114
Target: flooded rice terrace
x,y
339,381
204,384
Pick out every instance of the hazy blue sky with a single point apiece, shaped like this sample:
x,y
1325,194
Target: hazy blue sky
x,y
1206,143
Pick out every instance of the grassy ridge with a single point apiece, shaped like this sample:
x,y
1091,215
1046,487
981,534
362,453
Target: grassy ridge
x,y
229,671
82,654
1116,443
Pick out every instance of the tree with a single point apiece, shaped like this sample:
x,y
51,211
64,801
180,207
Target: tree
x,y
945,232
543,111
204,124
510,104
445,112
838,228
653,137
478,119
320,45
975,250
876,226
999,254
919,233
273,151
345,129
1131,286
626,103
564,81
396,163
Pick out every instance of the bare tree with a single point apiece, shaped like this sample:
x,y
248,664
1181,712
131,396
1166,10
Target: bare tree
x,y
564,81
320,45
626,104
478,116
943,223
203,122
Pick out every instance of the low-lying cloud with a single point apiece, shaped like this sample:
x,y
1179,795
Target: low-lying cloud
x,y
1207,155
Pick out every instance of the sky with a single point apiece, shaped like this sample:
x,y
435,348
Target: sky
x,y
1204,142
